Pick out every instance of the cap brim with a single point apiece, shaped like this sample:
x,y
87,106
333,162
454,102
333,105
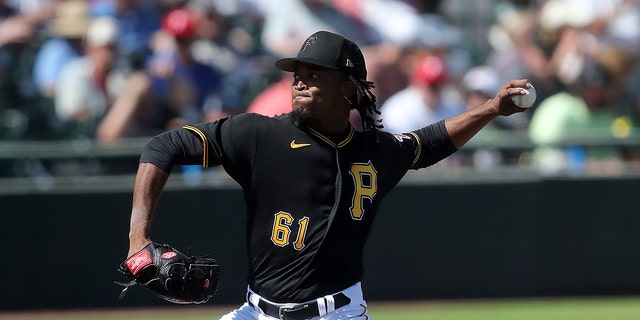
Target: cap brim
x,y
289,64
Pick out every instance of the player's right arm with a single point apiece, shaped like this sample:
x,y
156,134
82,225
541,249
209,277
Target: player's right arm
x,y
158,157
192,145
150,181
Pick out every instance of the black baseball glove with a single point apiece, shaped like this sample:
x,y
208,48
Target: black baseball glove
x,y
172,275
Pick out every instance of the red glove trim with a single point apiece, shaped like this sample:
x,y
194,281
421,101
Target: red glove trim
x,y
139,261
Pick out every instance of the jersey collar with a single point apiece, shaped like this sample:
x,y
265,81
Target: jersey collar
x,y
330,142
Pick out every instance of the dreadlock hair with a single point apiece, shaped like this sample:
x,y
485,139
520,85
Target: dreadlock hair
x,y
366,104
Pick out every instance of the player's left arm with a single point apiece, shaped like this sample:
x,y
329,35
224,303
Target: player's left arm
x,y
462,127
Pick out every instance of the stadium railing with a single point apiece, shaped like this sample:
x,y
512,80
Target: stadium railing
x,y
85,164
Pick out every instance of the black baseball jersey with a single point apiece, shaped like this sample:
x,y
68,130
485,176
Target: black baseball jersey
x,y
311,197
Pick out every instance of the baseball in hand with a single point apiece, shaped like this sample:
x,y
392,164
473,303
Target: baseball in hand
x,y
525,100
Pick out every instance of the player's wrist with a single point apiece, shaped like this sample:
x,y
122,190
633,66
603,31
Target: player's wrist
x,y
136,244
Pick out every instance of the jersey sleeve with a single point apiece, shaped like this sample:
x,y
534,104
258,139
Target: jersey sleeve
x,y
433,145
229,142
174,147
209,144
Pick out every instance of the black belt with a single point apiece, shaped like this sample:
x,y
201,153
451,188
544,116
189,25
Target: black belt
x,y
298,311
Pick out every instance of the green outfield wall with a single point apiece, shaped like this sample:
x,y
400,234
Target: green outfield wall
x,y
531,236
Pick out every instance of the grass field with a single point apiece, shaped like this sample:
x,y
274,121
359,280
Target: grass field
x,y
530,309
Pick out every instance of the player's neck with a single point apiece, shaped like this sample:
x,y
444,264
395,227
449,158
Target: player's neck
x,y
335,123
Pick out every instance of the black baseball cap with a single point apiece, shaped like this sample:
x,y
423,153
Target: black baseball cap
x,y
328,50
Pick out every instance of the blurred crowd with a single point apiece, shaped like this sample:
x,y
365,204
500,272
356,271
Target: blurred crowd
x,y
113,69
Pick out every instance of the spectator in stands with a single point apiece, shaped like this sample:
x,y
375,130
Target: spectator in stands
x,y
224,42
34,11
131,114
16,33
13,27
421,101
137,21
89,84
632,94
526,41
173,89
587,110
212,44
190,88
67,29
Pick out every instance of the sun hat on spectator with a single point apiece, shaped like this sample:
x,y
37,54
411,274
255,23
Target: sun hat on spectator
x,y
71,19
